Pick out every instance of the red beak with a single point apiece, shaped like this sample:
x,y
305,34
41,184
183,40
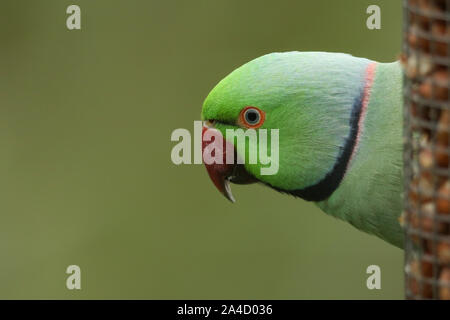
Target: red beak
x,y
222,173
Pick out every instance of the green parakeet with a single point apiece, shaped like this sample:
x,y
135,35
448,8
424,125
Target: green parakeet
x,y
340,133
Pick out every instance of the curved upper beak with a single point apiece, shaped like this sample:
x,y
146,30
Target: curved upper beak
x,y
221,172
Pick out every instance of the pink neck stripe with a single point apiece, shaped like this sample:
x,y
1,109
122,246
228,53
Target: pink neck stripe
x,y
369,78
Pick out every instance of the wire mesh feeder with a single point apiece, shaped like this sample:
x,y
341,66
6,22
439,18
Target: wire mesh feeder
x,y
426,218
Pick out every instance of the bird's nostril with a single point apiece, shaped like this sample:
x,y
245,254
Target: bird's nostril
x,y
209,123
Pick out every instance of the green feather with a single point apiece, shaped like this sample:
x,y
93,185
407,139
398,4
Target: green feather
x,y
369,197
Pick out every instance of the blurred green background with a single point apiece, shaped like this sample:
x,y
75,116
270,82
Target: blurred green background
x,y
86,175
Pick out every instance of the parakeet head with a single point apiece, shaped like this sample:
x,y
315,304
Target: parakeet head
x,y
312,98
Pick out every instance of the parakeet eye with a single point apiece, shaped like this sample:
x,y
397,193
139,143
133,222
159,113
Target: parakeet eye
x,y
252,117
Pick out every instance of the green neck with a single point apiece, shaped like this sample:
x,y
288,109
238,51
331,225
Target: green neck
x,y
369,196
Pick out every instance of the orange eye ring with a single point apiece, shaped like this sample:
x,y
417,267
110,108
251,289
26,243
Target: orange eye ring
x,y
252,117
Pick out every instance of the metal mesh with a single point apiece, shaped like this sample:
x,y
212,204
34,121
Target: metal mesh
x,y
426,216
